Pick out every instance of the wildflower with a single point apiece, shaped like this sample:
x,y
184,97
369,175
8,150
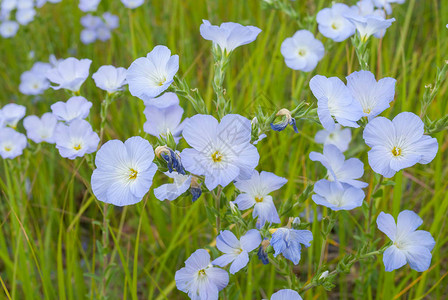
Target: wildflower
x,y
262,255
221,152
91,22
69,74
132,3
199,278
337,196
111,21
255,192
310,214
40,129
302,51
8,29
288,120
149,76
25,16
339,169
288,242
76,139
229,35
398,144
385,4
286,294
373,96
334,99
103,33
365,7
171,158
12,114
164,116
333,24
410,245
110,79
88,5
170,191
12,143
339,137
88,36
33,82
124,171
370,25
236,251
75,108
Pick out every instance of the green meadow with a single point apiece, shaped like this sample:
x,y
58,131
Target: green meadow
x,y
55,242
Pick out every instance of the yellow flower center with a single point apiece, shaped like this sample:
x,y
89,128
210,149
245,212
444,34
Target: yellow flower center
x,y
367,110
396,151
201,272
77,147
258,199
133,174
7,149
302,52
334,26
216,156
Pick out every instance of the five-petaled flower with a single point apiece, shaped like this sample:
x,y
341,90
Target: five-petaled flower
x,y
288,242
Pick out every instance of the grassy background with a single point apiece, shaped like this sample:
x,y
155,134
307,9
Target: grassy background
x,y
51,224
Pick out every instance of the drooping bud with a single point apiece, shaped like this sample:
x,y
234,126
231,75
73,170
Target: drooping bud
x,y
171,158
287,120
195,188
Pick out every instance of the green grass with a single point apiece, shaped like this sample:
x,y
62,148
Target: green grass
x,y
51,231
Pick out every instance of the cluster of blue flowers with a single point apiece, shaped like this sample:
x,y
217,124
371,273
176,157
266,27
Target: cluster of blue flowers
x,y
222,152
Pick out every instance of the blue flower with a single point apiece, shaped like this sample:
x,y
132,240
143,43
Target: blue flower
x,y
170,191
40,129
339,137
171,158
76,108
229,35
76,139
69,74
236,251
149,76
163,116
110,79
262,255
410,245
337,196
373,96
286,294
385,4
398,144
124,171
255,192
333,24
12,143
199,278
370,25
222,152
287,120
288,242
339,169
335,100
302,51
11,114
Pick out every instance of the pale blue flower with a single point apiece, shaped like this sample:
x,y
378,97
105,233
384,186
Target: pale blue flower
x,y
200,279
289,242
69,74
111,21
110,78
76,108
41,129
333,24
8,29
339,169
76,139
25,16
88,36
171,191
88,5
163,115
255,193
386,4
410,245
222,152
374,97
302,51
12,143
236,251
337,196
398,144
340,137
132,3
229,35
286,294
149,76
335,100
370,25
365,7
34,81
124,171
12,113
91,22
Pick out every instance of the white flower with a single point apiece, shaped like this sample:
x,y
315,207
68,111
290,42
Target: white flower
x,y
75,108
333,24
109,78
40,130
25,16
76,139
12,114
12,143
340,137
124,171
8,29
70,74
337,196
370,25
149,76
34,81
